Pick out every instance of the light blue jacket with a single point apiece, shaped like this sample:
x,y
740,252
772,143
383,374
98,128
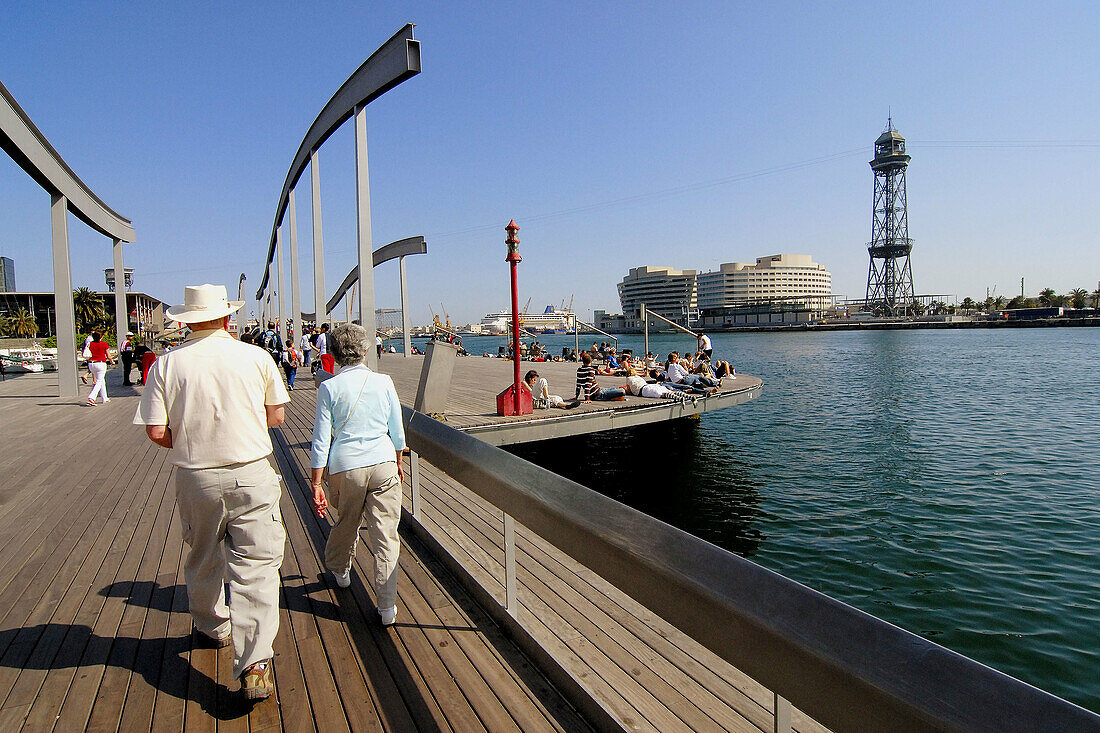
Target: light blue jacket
x,y
373,434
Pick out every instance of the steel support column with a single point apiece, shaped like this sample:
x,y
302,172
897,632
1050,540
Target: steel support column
x,y
242,312
295,296
63,297
319,298
122,315
406,325
280,325
366,257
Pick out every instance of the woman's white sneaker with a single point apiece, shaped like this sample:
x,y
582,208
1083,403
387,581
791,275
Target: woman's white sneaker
x,y
343,580
389,615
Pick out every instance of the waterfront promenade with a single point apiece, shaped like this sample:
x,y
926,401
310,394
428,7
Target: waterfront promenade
x,y
94,632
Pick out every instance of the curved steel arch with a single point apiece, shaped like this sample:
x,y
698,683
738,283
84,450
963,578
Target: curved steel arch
x,y
395,61
29,148
393,250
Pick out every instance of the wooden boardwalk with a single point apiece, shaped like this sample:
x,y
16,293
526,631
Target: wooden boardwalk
x,y
94,632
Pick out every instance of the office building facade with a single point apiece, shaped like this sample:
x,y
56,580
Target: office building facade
x,y
668,292
7,275
777,288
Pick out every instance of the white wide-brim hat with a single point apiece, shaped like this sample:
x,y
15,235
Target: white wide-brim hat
x,y
203,303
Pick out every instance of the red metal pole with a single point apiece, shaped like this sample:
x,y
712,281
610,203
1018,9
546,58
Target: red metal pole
x,y
514,258
515,333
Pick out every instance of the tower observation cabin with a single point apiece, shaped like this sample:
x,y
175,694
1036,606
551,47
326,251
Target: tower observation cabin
x,y
889,277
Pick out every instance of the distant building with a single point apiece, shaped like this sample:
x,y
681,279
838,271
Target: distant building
x,y
7,275
663,290
782,288
783,276
610,322
793,286
144,310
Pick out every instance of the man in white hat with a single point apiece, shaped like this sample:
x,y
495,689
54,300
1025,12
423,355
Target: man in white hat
x,y
211,401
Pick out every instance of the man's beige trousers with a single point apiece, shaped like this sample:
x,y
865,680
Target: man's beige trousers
x,y
373,494
232,522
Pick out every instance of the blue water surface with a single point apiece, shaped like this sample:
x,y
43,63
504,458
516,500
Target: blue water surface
x,y
945,481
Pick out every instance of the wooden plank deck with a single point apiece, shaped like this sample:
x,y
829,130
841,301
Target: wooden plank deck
x,y
94,632
471,404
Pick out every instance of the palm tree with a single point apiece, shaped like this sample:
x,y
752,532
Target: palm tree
x,y
999,302
88,308
1096,299
3,326
1077,297
1047,296
23,324
969,304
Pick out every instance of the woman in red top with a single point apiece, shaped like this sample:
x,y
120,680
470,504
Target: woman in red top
x,y
97,364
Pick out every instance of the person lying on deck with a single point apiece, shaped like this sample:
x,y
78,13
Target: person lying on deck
x,y
587,387
638,386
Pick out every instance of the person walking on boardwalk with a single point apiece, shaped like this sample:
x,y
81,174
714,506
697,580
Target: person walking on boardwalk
x,y
126,352
211,401
98,359
291,361
358,436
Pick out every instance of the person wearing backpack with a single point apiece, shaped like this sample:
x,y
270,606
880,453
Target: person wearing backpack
x,y
291,361
272,343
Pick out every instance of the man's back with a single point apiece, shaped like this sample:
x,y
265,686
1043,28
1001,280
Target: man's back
x,y
211,391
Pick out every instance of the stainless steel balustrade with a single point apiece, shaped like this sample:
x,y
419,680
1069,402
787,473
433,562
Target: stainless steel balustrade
x,y
843,667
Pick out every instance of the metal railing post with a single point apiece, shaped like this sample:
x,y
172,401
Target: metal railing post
x,y
63,298
510,564
414,483
645,327
406,321
781,722
122,319
280,326
319,298
364,237
295,284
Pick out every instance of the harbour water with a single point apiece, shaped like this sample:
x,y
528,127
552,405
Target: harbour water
x,y
945,481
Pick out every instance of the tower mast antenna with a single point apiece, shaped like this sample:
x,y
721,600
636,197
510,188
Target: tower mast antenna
x,y
889,276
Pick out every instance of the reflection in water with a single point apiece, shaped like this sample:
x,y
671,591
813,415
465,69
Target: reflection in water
x,y
669,471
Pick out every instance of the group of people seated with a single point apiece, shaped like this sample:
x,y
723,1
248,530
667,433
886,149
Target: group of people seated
x,y
679,378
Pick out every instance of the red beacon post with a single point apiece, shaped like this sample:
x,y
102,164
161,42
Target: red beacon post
x,y
516,400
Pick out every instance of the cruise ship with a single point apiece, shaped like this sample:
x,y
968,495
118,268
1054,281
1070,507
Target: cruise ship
x,y
550,320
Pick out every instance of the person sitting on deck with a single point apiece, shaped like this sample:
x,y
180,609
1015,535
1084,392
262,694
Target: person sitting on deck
x,y
719,370
540,392
587,387
677,374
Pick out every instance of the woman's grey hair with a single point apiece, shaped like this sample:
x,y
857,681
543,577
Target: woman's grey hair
x,y
349,344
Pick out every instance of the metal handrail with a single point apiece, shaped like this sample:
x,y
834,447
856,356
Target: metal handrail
x,y
688,331
843,667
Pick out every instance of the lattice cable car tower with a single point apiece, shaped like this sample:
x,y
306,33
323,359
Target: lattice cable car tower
x,y
889,277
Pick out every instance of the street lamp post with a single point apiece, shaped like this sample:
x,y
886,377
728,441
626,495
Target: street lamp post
x,y
516,400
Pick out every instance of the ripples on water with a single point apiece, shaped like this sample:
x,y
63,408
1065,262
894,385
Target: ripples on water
x,y
945,481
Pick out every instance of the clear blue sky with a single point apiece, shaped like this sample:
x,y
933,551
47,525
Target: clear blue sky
x,y
616,135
